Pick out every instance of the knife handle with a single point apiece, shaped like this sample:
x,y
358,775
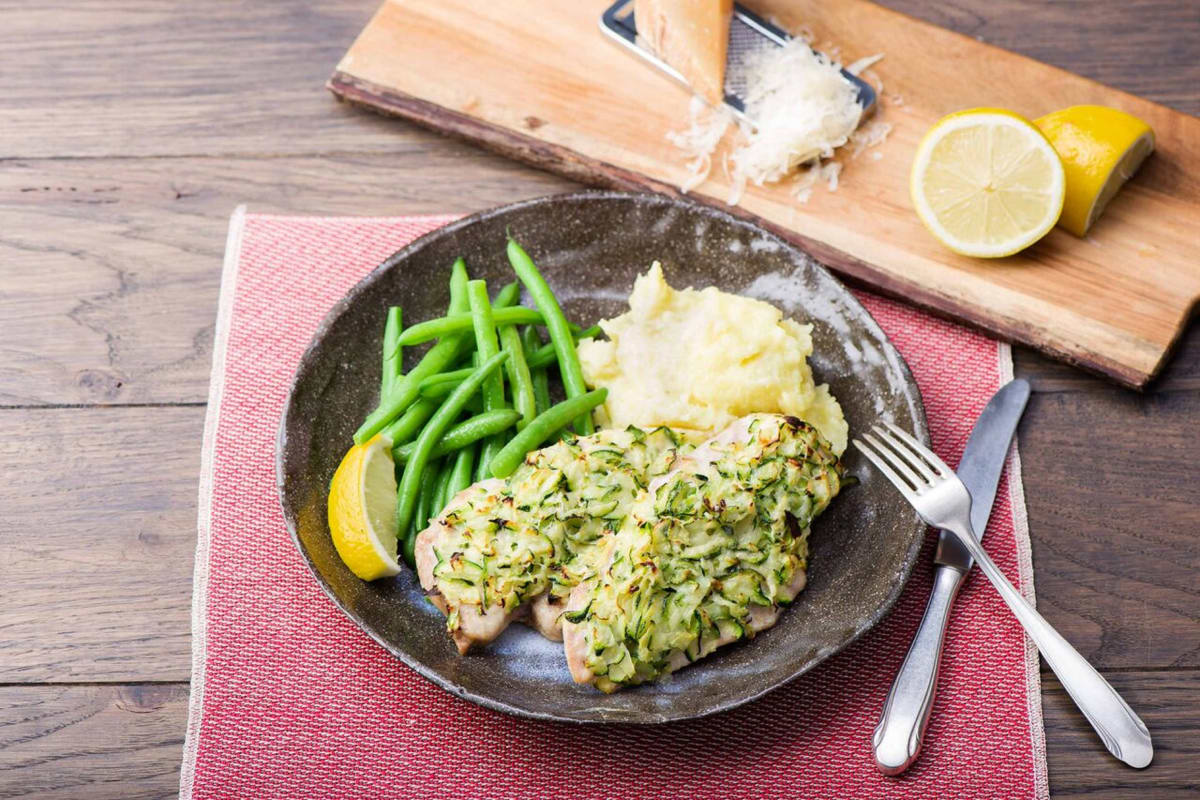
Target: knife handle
x,y
901,728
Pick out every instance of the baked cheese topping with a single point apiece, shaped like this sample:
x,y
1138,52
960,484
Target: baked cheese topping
x,y
720,539
537,531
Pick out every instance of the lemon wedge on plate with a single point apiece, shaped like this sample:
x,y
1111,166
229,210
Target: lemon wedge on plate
x,y
987,183
1100,149
362,510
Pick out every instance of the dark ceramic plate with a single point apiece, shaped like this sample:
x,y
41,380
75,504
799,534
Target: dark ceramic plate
x,y
590,246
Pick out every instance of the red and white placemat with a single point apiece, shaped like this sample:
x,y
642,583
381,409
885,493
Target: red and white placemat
x,y
290,699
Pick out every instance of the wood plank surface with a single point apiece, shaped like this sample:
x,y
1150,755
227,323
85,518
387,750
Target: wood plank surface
x,y
97,742
1114,507
167,79
121,308
130,134
98,535
561,97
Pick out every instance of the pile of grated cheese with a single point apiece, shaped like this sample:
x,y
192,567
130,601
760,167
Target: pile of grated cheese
x,y
802,109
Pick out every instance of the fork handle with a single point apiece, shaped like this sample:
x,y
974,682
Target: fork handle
x,y
901,729
1122,731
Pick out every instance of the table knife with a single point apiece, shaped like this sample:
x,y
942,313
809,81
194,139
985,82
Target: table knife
x,y
901,729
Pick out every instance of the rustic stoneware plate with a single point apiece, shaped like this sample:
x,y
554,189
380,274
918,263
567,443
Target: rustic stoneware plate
x,y
590,246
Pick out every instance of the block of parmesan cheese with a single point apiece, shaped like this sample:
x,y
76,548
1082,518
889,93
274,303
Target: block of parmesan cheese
x,y
690,35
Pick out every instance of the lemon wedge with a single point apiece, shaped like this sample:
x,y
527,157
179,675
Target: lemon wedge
x,y
1100,149
362,510
987,183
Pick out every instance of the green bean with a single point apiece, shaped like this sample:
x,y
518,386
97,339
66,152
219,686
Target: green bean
x,y
541,390
541,381
542,428
464,433
486,343
443,485
590,332
537,356
429,481
508,296
519,379
424,501
443,383
428,488
410,422
543,355
393,356
458,286
433,431
446,352
408,545
481,467
460,477
459,323
556,324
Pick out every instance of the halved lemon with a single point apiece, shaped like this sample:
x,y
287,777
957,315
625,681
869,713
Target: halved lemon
x,y
362,510
1100,149
987,183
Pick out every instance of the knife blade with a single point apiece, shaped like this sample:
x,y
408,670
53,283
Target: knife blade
x,y
901,729
981,465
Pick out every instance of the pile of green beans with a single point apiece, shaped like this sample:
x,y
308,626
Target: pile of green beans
x,y
479,399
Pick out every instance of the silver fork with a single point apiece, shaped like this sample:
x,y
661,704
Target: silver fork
x,y
942,500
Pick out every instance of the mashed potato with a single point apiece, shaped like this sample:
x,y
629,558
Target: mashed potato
x,y
701,359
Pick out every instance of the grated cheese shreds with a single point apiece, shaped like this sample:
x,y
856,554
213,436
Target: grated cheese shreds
x,y
803,186
873,134
803,109
700,140
857,67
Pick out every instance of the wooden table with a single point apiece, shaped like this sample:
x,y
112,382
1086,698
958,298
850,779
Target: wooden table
x,y
128,133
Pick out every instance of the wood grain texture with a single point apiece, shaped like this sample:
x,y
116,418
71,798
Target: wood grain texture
x,y
128,137
1144,47
97,538
562,97
147,78
158,79
114,264
123,741
1079,766
1114,507
94,742
1182,372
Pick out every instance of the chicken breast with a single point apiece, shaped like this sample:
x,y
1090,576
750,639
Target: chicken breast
x,y
504,550
476,624
709,554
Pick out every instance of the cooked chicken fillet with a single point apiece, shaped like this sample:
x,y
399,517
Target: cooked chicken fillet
x,y
645,553
504,549
708,555
759,618
475,625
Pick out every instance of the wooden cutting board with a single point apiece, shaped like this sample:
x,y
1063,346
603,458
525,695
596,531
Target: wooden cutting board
x,y
539,82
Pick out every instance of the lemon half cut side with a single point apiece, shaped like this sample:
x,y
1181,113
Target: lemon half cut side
x,y
987,183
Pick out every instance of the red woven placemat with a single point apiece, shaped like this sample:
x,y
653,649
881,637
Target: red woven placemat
x,y
290,699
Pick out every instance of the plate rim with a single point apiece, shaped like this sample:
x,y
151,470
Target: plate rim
x,y
921,432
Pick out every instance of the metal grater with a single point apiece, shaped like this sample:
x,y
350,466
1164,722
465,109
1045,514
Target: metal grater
x,y
748,32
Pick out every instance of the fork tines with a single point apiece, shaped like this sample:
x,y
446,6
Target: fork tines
x,y
907,463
